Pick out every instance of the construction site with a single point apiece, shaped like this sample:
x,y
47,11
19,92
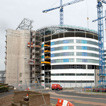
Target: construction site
x,y
55,54
71,56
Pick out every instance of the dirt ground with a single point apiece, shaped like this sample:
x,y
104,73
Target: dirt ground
x,y
7,100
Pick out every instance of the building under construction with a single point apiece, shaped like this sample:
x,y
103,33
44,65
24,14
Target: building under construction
x,y
66,55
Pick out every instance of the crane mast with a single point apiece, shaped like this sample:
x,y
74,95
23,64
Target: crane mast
x,y
101,41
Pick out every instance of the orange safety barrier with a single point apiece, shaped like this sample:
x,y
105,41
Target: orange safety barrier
x,y
59,102
62,102
69,104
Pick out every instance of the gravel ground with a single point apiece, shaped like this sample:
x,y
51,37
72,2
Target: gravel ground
x,y
7,100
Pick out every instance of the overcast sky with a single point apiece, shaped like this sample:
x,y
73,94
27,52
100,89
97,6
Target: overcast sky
x,y
12,13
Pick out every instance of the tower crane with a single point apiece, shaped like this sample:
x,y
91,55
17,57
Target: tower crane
x,y
61,8
101,41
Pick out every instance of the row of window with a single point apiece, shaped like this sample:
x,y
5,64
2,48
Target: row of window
x,y
62,48
87,54
72,54
72,41
61,42
87,60
74,67
87,48
72,47
72,74
62,60
73,81
70,81
87,42
62,54
77,60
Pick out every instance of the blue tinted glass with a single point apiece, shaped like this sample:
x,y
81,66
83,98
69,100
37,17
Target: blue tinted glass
x,y
84,60
65,48
65,54
42,51
52,43
52,61
52,49
65,60
65,41
52,55
42,56
84,48
84,54
42,45
84,41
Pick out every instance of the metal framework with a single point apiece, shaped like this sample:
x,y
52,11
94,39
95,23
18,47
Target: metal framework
x,y
61,9
101,42
25,24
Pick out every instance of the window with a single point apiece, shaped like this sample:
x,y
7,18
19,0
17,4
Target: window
x,y
88,60
87,48
42,51
87,42
52,43
62,48
42,56
52,49
61,42
52,55
65,60
87,54
62,60
62,54
65,48
42,45
68,67
20,74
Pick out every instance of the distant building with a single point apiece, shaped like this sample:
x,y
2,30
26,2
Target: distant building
x,y
2,76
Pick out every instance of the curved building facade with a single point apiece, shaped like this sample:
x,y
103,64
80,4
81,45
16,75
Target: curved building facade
x,y
70,56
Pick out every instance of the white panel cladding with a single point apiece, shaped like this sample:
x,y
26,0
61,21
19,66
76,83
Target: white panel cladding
x,y
72,78
74,44
70,38
70,57
72,71
42,77
42,72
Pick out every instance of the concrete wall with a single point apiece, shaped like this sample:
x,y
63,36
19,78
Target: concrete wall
x,y
17,56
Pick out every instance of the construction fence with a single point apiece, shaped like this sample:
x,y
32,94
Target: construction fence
x,y
37,87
